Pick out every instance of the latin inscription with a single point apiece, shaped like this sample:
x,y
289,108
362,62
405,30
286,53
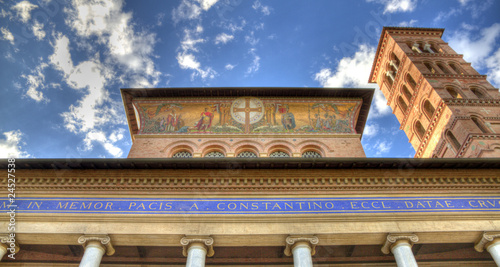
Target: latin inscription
x,y
260,206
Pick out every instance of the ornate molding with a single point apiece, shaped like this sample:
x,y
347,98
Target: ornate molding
x,y
4,241
393,238
471,102
486,238
208,242
471,137
460,76
291,241
105,240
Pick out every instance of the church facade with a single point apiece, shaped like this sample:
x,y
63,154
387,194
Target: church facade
x,y
278,176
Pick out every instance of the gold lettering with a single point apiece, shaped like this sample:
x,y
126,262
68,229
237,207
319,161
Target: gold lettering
x,y
218,206
428,203
373,205
439,204
29,205
168,205
98,203
161,205
132,204
363,205
309,204
229,206
353,205
84,207
383,205
267,203
448,204
481,203
59,205
317,205
491,203
72,206
38,205
300,204
149,206
255,206
141,206
195,206
407,206
288,205
470,203
243,205
331,205
276,205
420,204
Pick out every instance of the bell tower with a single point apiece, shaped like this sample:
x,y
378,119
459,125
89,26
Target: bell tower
x,y
446,108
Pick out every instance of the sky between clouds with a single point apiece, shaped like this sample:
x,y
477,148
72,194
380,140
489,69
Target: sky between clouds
x,y
63,62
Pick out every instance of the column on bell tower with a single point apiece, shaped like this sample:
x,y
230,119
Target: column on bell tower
x,y
446,108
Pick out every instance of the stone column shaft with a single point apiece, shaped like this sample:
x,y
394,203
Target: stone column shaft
x,y
3,251
490,241
416,48
93,254
196,255
494,250
390,74
302,248
428,48
403,254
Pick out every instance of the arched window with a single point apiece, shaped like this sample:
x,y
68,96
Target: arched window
x,y
411,82
182,154
428,109
453,92
247,154
479,124
420,130
443,68
453,141
389,77
214,154
279,154
429,67
402,104
455,68
311,154
478,92
406,93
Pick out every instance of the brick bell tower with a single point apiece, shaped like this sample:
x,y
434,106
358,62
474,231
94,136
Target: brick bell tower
x,y
446,108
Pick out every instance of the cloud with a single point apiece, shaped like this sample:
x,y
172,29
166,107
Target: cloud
x,y
463,2
475,48
107,143
190,9
255,65
370,130
408,23
207,4
11,146
35,81
493,64
223,38
266,10
251,39
353,72
7,35
38,30
23,10
382,147
475,8
393,6
229,66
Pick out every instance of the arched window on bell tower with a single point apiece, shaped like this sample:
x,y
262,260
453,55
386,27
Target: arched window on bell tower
x,y
406,93
479,123
478,92
428,109
402,104
420,130
455,68
429,67
442,67
411,82
453,140
453,92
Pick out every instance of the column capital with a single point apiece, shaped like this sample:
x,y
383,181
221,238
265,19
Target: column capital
x,y
394,238
486,239
105,241
4,242
206,241
291,241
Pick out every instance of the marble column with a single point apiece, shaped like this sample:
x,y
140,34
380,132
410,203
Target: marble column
x,y
196,249
7,247
427,47
490,241
416,48
302,248
390,74
3,250
400,246
95,247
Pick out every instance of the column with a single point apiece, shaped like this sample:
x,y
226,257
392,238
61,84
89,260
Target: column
x,y
427,47
393,64
95,246
416,48
400,245
196,249
490,241
390,74
302,248
7,247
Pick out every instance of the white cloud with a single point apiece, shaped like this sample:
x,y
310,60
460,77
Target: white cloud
x,y
257,5
370,130
207,4
189,9
11,146
393,6
463,2
476,9
408,23
493,64
382,147
229,66
251,39
38,30
353,72
475,48
7,35
35,81
255,65
223,38
23,10
107,142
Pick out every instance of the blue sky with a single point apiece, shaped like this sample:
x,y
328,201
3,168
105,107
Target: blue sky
x,y
63,62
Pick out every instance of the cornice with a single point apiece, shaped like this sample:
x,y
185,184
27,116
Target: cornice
x,y
456,76
471,102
